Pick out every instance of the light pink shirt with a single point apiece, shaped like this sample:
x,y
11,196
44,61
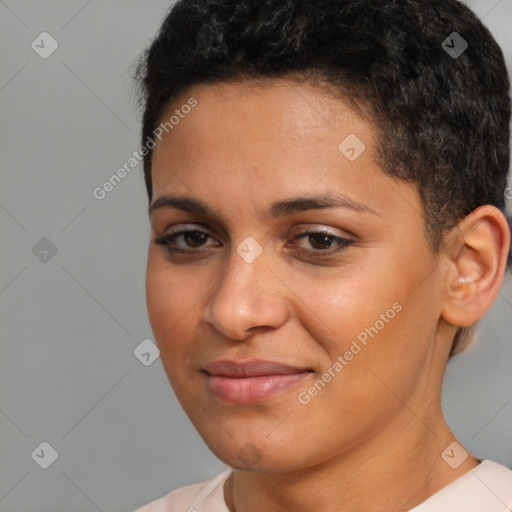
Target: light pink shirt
x,y
486,488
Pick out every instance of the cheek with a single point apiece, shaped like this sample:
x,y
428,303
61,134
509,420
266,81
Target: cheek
x,y
345,305
370,321
383,335
171,305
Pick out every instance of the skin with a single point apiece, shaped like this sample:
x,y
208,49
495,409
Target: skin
x,y
372,438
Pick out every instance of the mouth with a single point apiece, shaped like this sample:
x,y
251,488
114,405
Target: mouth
x,y
247,382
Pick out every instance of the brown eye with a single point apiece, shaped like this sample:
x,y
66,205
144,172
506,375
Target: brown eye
x,y
322,243
184,241
195,238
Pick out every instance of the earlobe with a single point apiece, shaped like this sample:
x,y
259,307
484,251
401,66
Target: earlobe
x,y
477,251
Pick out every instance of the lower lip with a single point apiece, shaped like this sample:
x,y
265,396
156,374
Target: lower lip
x,y
247,390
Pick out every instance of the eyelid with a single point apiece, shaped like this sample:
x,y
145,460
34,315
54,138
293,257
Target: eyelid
x,y
169,225
342,243
322,229
186,226
302,229
181,230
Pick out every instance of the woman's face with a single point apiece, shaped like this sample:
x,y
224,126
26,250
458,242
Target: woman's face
x,y
301,312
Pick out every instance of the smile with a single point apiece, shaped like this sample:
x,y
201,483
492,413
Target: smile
x,y
243,383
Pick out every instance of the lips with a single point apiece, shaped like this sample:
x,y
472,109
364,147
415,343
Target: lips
x,y
245,382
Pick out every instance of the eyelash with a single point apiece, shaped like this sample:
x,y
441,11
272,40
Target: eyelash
x,y
166,241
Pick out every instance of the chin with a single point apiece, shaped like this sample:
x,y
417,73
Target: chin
x,y
259,454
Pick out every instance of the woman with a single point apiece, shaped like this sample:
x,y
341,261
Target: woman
x,y
326,184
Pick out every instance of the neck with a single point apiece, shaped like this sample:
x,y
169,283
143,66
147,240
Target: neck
x,y
396,470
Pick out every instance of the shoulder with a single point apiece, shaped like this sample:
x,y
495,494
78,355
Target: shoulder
x,y
201,497
486,488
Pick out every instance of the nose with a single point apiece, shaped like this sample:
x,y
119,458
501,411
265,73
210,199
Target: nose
x,y
247,296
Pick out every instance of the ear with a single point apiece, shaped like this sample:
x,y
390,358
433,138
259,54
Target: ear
x,y
476,252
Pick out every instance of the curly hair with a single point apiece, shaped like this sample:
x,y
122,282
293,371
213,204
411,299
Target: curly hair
x,y
442,119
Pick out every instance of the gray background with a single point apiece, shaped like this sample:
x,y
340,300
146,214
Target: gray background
x,y
70,324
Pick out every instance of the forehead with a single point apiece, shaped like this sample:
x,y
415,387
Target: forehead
x,y
264,141
279,104
271,121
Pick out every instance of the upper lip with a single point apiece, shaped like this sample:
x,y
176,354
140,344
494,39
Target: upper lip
x,y
252,368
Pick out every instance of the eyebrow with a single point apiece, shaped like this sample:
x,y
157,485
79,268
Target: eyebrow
x,y
277,209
